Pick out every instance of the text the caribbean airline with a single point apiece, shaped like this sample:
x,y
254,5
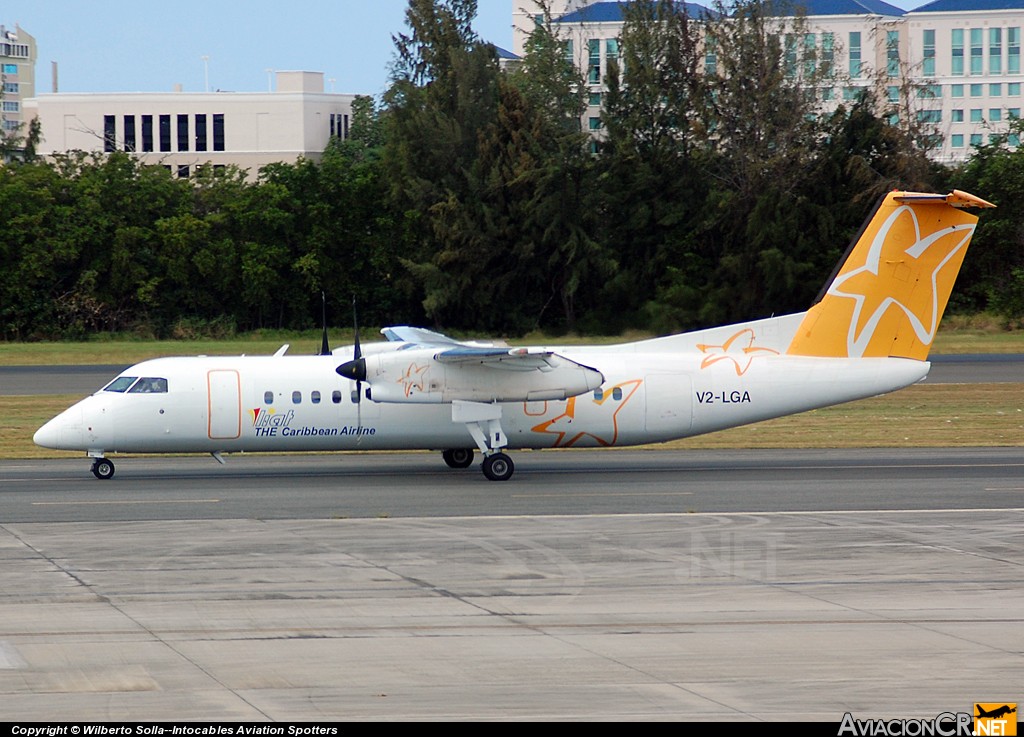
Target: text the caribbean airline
x,y
869,333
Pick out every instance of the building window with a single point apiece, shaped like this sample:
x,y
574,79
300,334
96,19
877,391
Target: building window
x,y
995,90
200,132
611,49
975,139
218,132
109,132
976,115
1013,89
928,67
930,92
810,54
1013,50
183,133
182,171
995,115
957,115
855,69
11,106
1013,113
929,116
165,132
594,63
893,94
995,50
11,88
828,43
595,99
957,60
976,90
710,56
10,68
892,53
977,50
569,55
147,132
956,140
595,124
129,133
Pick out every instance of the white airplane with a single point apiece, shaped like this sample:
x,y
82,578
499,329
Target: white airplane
x,y
869,333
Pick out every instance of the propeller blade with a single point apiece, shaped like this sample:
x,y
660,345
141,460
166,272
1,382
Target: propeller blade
x,y
325,348
358,352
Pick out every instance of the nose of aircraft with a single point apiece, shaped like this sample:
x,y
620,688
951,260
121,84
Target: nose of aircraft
x,y
63,432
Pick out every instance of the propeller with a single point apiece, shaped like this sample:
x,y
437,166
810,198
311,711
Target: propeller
x,y
355,370
325,348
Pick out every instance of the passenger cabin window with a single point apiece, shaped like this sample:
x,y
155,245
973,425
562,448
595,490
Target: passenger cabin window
x,y
314,397
336,396
268,397
296,397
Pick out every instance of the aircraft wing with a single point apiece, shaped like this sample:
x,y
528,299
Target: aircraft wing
x,y
510,359
433,368
420,336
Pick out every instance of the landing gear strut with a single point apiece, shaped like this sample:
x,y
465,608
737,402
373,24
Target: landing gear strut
x,y
102,468
483,421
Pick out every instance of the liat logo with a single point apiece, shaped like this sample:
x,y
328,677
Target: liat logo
x,y
995,719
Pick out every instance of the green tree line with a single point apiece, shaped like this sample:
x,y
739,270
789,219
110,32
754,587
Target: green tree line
x,y
717,186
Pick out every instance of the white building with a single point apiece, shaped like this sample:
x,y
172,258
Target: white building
x,y
962,57
186,130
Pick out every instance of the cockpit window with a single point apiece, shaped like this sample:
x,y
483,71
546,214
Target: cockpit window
x,y
120,384
149,385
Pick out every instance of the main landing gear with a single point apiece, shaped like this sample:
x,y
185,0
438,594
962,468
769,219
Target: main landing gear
x,y
102,468
496,466
483,421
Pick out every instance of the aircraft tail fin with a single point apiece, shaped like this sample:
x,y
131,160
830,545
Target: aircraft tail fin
x,y
889,291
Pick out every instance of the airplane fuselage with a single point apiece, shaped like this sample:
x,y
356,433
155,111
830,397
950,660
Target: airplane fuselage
x,y
299,403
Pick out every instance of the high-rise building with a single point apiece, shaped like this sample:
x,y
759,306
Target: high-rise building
x,y
18,77
961,59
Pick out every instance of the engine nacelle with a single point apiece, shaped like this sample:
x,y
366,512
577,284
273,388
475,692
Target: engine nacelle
x,y
426,376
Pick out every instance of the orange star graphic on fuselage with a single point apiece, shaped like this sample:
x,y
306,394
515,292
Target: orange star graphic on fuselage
x,y
585,416
739,349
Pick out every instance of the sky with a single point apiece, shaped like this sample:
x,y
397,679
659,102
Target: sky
x,y
139,46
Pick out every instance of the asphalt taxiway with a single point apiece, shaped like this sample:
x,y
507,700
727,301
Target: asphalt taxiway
x,y
620,585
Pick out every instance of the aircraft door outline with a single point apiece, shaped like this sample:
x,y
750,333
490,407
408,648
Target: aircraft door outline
x,y
224,404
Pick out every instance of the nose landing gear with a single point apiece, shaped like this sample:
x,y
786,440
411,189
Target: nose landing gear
x,y
102,468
